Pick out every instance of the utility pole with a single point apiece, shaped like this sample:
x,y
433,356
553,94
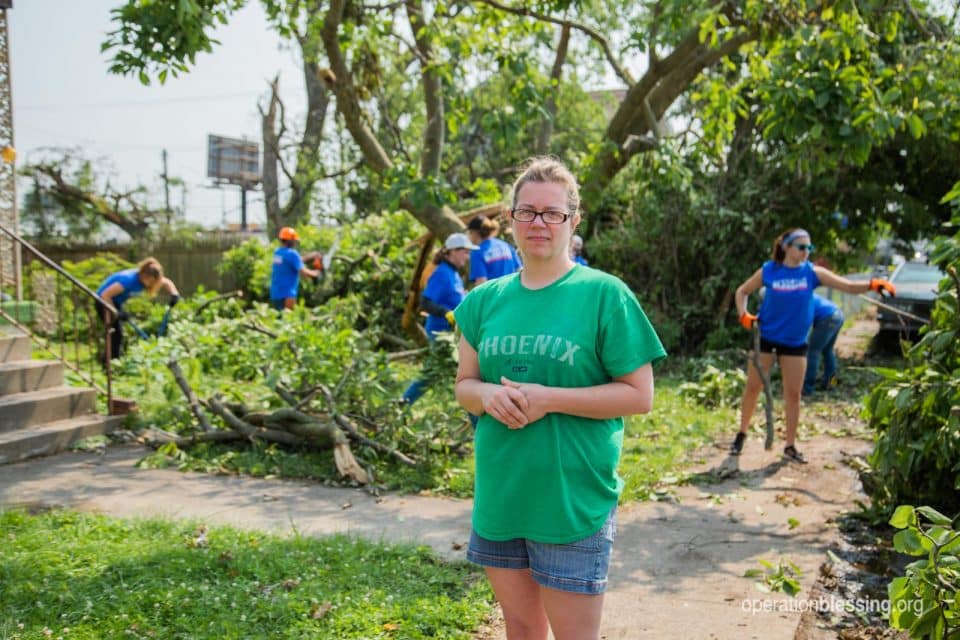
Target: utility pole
x,y
166,187
8,175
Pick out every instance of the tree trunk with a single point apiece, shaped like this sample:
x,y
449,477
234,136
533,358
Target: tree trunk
x,y
440,220
655,92
546,127
297,210
271,153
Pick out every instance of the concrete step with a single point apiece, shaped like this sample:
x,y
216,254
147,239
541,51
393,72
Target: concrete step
x,y
14,346
53,437
19,376
22,410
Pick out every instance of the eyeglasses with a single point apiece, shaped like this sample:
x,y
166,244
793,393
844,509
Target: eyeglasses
x,y
549,216
804,247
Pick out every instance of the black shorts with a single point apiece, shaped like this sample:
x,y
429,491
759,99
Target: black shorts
x,y
767,346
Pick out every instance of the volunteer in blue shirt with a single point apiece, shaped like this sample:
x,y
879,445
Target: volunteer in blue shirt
x,y
827,322
576,250
288,266
493,258
117,289
785,318
443,293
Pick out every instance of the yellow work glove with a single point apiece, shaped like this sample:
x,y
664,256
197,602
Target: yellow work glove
x,y
450,318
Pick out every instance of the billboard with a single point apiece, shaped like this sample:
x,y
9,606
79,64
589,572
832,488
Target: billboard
x,y
232,160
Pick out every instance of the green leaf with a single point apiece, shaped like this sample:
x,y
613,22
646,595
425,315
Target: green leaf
x,y
926,623
953,194
916,125
903,517
909,542
934,516
791,586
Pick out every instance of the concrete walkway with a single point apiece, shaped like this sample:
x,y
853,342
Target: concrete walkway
x,y
677,568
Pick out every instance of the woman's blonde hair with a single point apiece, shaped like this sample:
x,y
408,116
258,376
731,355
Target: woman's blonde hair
x,y
549,169
151,267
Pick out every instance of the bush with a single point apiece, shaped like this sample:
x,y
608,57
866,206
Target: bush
x,y
374,259
716,388
924,601
916,410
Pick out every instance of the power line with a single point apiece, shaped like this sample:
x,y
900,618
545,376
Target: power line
x,y
129,103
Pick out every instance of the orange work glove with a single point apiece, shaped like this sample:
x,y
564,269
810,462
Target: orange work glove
x,y
748,320
881,285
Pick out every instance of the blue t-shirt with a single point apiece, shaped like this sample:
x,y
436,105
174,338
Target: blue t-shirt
x,y
580,260
445,288
128,279
786,313
823,308
494,258
285,278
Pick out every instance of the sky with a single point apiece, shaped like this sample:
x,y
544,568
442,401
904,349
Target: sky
x,y
63,96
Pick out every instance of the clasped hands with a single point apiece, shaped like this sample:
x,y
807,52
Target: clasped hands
x,y
516,404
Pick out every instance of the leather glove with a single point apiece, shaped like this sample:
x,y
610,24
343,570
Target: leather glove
x,y
881,286
174,299
450,318
748,320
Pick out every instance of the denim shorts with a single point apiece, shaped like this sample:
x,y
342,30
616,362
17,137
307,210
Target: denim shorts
x,y
576,567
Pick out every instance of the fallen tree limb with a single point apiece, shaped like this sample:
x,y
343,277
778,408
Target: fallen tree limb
x,y
223,296
158,438
192,400
354,433
248,430
403,355
289,426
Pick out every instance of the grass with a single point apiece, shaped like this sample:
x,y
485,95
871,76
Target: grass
x,y
659,446
69,575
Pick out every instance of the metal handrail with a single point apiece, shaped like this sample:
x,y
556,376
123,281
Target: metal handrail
x,y
45,344
53,265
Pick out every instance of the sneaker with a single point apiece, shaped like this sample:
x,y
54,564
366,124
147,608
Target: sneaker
x,y
737,446
791,454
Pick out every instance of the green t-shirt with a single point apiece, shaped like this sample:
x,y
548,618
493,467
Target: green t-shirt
x,y
556,479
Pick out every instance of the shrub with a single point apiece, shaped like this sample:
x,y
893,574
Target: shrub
x,y
916,410
716,387
924,600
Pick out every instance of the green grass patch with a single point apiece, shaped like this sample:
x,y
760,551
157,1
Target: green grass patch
x,y
658,447
77,575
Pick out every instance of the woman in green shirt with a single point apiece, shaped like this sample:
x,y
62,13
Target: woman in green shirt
x,y
551,358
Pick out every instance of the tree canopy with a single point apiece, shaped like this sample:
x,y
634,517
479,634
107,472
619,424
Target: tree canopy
x,y
777,113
